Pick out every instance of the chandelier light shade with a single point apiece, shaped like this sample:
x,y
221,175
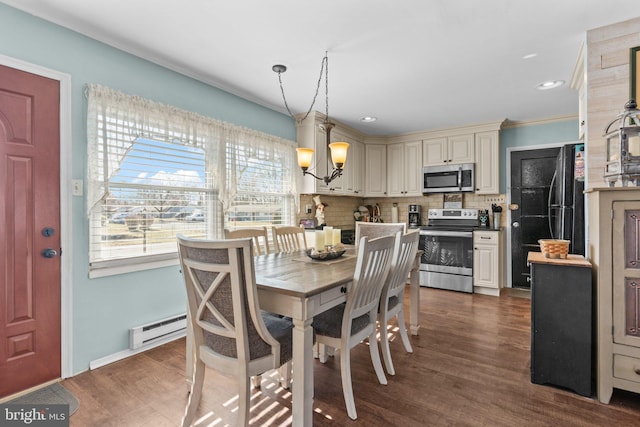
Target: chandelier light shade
x,y
305,155
339,154
338,149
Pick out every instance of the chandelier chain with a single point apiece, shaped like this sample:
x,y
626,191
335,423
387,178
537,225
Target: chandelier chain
x,y
326,86
324,68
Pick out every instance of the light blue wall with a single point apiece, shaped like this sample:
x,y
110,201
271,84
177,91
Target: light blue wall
x,y
540,134
104,309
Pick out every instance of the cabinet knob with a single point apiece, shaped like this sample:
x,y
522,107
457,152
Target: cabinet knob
x,y
637,371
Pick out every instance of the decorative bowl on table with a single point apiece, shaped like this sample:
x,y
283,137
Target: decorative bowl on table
x,y
330,252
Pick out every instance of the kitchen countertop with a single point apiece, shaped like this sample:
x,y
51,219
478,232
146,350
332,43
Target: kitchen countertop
x,y
571,260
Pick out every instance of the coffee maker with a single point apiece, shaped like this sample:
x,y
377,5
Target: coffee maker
x,y
414,216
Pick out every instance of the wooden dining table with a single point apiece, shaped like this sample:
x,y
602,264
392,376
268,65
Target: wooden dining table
x,y
294,285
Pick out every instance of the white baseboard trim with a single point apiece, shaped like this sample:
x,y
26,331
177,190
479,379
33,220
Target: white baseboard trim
x,y
94,364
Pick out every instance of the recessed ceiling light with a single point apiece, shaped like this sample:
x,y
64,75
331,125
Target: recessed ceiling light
x,y
368,119
551,84
530,55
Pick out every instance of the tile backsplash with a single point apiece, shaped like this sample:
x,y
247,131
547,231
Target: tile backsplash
x,y
339,209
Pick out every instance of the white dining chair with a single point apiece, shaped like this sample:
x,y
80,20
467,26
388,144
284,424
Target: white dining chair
x,y
260,237
374,230
392,296
230,332
346,325
289,238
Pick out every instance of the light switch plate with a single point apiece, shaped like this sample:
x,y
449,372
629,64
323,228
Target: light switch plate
x,y
76,187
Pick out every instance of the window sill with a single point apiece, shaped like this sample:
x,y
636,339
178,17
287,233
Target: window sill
x,y
131,265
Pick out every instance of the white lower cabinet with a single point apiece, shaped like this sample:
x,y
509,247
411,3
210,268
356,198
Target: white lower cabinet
x,y
487,262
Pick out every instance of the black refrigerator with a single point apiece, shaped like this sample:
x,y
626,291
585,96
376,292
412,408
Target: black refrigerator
x,y
566,198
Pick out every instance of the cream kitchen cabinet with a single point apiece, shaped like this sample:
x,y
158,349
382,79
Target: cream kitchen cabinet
x,y
375,170
354,170
404,167
350,184
449,150
487,176
487,262
614,219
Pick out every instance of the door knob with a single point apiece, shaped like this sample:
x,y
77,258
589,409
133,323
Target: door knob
x,y
49,253
515,224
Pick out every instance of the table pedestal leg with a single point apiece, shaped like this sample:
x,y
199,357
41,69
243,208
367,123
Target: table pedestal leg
x,y
302,387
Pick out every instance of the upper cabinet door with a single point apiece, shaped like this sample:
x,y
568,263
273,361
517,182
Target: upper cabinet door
x,y
395,170
375,170
449,150
435,151
461,149
357,165
487,163
404,169
413,168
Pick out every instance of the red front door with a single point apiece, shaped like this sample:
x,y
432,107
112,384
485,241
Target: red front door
x,y
29,225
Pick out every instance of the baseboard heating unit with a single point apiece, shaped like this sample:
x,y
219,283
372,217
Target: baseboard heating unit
x,y
144,335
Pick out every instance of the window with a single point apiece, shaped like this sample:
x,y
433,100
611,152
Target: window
x,y
156,171
260,176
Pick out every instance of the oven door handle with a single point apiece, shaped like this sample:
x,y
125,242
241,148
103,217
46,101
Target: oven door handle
x,y
445,233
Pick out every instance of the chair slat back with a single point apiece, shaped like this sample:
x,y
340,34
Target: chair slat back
x,y
373,230
372,269
289,238
404,255
222,298
260,237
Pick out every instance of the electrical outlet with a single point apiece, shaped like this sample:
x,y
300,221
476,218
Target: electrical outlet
x,y
495,199
308,209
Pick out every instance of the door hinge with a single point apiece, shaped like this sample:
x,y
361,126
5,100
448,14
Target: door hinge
x,y
612,214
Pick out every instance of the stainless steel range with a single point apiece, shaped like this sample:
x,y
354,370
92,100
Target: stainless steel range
x,y
447,245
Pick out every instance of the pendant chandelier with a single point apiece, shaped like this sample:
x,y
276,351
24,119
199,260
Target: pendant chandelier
x,y
338,149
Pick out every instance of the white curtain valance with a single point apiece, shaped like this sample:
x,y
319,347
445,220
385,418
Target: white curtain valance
x,y
115,120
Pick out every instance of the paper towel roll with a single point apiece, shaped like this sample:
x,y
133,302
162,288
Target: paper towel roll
x,y
394,214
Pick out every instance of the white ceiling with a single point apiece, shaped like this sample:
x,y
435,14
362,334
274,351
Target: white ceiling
x,y
413,64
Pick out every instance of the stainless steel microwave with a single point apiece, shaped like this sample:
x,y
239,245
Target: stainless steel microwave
x,y
448,178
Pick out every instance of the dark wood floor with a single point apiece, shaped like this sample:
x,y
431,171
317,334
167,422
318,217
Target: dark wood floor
x,y
470,367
